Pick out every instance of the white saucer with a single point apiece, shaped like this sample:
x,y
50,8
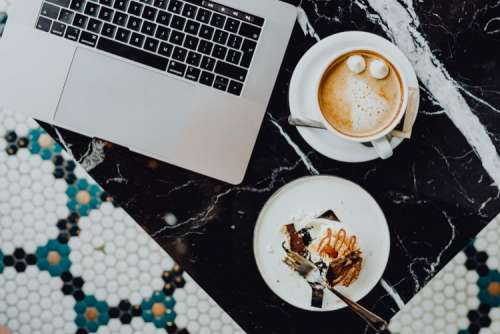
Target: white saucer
x,y
313,195
303,92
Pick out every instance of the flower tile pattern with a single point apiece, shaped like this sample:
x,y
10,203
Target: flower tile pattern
x,y
116,257
73,261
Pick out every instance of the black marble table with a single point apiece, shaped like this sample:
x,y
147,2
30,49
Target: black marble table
x,y
438,191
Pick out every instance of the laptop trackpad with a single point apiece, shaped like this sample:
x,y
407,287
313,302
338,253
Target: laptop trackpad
x,y
125,103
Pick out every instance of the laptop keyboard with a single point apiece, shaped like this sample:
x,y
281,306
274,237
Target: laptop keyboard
x,y
198,40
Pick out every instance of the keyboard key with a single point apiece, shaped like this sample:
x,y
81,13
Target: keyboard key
x,y
232,25
219,52
191,42
108,3
233,56
175,6
72,33
135,8
58,29
205,47
220,36
165,49
207,78
132,53
88,39
151,44
176,68
249,31
120,19
91,9
235,87
178,22
77,5
137,39
217,20
179,54
208,63
80,21
62,3
106,14
189,11
234,41
162,33
66,16
163,18
230,71
121,4
122,35
203,15
147,2
221,83
43,24
192,27
94,26
176,37
193,58
148,28
108,30
149,13
50,11
206,32
248,49
134,23
192,73
161,4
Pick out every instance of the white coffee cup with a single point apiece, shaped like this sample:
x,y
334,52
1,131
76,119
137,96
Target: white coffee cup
x,y
380,141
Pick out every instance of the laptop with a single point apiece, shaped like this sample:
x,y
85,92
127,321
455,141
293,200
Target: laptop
x,y
183,81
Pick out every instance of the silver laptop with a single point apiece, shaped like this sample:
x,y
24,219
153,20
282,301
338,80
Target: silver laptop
x,y
184,81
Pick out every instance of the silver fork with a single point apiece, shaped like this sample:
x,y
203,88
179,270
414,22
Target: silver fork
x,y
313,276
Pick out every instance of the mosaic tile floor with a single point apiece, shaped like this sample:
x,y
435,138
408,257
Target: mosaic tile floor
x,y
72,261
464,298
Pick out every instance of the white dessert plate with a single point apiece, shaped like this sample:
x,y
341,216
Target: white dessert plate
x,y
313,195
303,92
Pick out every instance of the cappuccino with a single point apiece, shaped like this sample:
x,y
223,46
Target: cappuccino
x,y
360,94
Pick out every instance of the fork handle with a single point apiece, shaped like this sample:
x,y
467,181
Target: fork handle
x,y
373,320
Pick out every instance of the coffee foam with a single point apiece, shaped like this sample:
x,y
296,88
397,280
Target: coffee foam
x,y
368,109
357,104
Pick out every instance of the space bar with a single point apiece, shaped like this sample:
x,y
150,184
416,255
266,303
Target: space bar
x,y
131,53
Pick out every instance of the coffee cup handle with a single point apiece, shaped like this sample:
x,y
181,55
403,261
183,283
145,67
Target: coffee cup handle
x,y
383,147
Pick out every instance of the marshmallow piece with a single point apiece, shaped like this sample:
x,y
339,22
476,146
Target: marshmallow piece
x,y
379,69
356,64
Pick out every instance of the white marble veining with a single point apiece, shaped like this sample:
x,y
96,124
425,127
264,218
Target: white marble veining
x,y
401,24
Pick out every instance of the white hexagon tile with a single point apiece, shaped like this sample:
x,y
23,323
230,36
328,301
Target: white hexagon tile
x,y
72,261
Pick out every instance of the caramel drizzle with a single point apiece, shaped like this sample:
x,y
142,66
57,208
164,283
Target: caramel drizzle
x,y
325,248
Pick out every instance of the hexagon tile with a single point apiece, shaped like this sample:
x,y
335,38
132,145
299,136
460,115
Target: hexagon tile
x,y
464,298
72,261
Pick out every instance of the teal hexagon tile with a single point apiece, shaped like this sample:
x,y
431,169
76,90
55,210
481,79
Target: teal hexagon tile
x,y
91,314
83,197
490,288
40,142
53,257
158,309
